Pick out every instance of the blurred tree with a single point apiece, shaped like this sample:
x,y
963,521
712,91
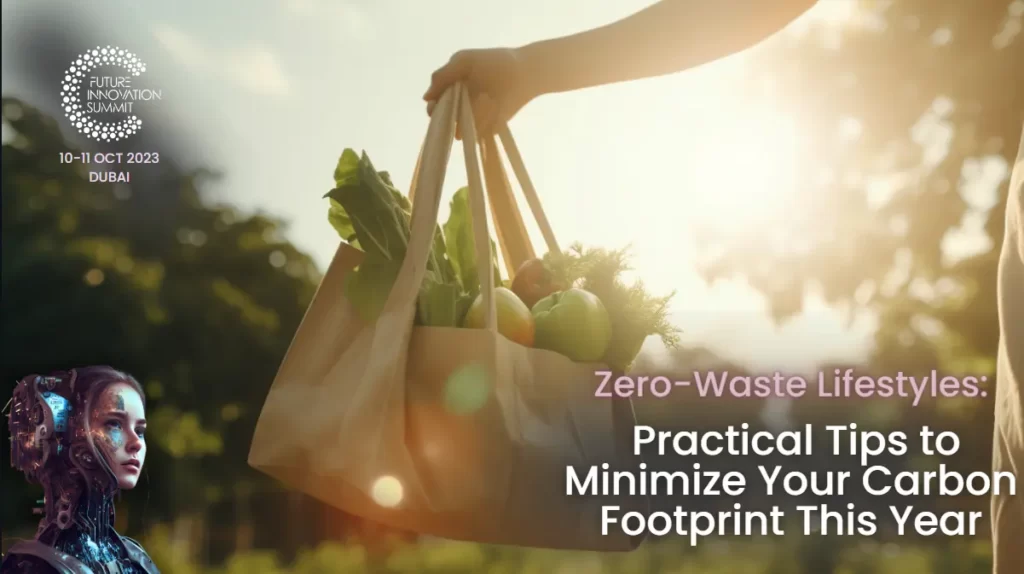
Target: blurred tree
x,y
909,114
202,314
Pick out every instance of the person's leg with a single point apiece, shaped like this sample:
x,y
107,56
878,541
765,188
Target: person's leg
x,y
1008,448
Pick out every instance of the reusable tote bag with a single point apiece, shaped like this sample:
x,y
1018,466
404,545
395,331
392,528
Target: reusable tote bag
x,y
456,433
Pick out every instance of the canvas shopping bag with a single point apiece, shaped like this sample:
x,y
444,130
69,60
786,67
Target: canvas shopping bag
x,y
457,433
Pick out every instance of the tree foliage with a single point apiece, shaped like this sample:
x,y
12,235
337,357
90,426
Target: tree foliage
x,y
199,305
905,115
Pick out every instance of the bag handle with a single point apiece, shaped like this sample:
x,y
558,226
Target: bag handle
x,y
425,196
530,192
513,238
478,207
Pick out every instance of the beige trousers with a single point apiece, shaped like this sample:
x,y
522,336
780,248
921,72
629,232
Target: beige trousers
x,y
1008,448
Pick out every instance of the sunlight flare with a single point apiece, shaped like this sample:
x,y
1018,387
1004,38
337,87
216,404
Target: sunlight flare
x,y
387,491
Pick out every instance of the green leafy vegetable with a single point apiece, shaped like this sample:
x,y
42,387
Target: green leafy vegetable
x,y
340,222
365,209
635,314
440,299
347,173
440,304
461,245
347,170
369,213
459,241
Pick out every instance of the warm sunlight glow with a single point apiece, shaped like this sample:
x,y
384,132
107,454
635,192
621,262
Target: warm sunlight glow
x,y
387,491
642,164
839,12
745,170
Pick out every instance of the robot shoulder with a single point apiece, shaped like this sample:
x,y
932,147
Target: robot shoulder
x,y
32,557
139,556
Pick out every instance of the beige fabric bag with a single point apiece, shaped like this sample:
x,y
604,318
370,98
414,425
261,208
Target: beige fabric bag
x,y
356,415
1008,447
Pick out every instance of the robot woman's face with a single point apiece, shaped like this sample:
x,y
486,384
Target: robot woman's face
x,y
118,423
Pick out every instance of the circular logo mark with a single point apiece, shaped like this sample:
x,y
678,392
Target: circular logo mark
x,y
80,114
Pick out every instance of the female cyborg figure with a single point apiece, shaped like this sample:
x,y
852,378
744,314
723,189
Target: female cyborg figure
x,y
81,435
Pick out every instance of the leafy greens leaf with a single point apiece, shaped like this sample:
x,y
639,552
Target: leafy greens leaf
x,y
378,223
438,303
340,222
461,245
369,212
347,170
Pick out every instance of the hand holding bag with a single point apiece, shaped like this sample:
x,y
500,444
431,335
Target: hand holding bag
x,y
452,432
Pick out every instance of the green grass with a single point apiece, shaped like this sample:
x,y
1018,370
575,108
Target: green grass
x,y
790,555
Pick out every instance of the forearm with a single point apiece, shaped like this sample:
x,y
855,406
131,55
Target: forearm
x,y
667,37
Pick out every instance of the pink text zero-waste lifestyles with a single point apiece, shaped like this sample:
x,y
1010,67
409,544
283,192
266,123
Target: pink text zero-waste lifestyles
x,y
837,384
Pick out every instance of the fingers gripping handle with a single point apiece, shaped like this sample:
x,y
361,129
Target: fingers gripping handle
x,y
425,194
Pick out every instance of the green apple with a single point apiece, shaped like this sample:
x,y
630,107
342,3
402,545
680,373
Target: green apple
x,y
574,323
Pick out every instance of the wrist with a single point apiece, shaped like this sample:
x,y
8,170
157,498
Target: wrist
x,y
535,71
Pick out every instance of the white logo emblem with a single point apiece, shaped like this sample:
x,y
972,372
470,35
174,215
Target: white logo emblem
x,y
112,94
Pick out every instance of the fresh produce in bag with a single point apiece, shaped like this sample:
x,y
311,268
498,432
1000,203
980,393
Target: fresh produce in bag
x,y
634,313
574,303
574,323
515,320
535,281
369,213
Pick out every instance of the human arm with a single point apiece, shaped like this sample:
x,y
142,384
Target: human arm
x,y
667,37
